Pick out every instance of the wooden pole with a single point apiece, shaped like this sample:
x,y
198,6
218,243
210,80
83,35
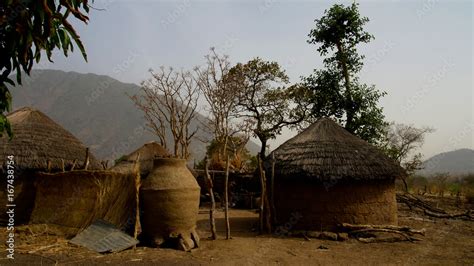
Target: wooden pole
x,y
266,208
86,160
272,189
212,221
73,164
63,168
138,184
262,194
226,201
48,165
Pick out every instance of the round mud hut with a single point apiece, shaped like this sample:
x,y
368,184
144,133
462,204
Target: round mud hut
x,y
325,176
38,144
148,153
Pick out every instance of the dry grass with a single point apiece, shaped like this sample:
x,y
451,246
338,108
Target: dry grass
x,y
325,151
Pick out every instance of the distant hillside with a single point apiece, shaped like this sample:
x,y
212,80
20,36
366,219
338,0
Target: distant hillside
x,y
456,162
95,109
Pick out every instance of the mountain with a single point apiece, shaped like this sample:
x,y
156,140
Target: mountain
x,y
458,162
96,109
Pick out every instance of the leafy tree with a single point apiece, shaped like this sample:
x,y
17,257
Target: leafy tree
x,y
335,91
264,100
26,29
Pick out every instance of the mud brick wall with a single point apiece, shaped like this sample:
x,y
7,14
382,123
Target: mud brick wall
x,y
322,206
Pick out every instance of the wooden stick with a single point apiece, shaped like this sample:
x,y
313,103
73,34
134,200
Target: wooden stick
x,y
73,164
403,234
226,199
48,166
387,227
62,166
137,198
213,202
105,164
86,160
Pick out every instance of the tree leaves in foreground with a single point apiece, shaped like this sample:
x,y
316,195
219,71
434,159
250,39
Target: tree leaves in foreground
x,y
335,91
26,29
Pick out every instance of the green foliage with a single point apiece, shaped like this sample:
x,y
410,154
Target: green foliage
x,y
335,91
264,100
240,158
121,158
26,29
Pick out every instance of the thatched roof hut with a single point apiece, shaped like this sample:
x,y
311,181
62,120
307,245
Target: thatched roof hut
x,y
148,153
38,139
330,176
38,144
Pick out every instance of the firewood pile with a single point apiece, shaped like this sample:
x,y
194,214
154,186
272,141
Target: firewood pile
x,y
365,233
414,202
381,233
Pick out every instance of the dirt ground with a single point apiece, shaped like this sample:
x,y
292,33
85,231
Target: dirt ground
x,y
447,242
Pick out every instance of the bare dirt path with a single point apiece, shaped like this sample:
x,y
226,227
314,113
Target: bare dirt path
x,y
447,242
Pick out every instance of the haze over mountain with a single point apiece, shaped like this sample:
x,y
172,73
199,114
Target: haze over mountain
x,y
96,109
458,162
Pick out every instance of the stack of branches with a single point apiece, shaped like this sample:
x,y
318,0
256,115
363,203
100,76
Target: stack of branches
x,y
373,233
414,202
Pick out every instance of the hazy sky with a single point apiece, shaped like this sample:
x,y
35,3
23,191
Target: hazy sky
x,y
421,56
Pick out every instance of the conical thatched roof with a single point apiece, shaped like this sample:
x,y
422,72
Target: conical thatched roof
x,y
148,153
37,139
326,151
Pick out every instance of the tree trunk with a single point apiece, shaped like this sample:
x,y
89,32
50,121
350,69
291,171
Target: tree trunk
x,y
272,190
348,105
213,202
262,195
263,149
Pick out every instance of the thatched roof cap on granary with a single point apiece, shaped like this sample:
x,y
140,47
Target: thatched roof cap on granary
x,y
148,153
326,151
37,139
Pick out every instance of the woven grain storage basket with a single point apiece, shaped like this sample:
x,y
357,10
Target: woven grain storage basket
x,y
170,198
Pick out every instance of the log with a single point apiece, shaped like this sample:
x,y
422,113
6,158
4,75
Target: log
x,y
413,201
466,215
405,235
212,220
406,229
429,210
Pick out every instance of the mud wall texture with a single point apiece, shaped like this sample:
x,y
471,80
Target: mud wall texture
x,y
321,206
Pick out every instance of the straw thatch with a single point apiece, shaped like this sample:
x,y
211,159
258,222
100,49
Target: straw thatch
x,y
326,151
38,139
327,176
148,153
73,200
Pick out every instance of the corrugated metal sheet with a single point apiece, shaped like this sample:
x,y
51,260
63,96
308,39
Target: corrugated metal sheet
x,y
102,237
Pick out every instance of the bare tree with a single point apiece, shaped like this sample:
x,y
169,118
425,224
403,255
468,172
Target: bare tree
x,y
220,96
403,140
169,101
